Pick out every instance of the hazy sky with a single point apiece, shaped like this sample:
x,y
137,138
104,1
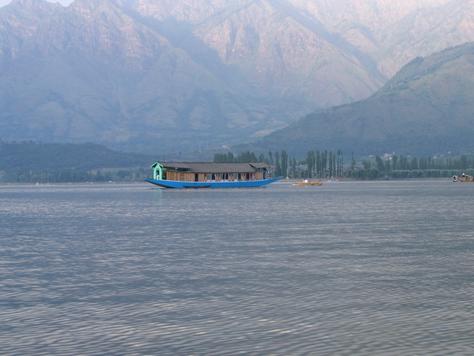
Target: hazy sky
x,y
64,2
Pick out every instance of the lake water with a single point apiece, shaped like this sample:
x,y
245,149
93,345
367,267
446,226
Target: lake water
x,y
346,268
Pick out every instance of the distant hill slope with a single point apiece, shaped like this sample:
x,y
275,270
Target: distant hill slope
x,y
427,108
59,156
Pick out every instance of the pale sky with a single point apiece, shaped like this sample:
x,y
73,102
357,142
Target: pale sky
x,y
64,2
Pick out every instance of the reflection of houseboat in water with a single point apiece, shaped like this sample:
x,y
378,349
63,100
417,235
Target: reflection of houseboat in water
x,y
463,178
211,175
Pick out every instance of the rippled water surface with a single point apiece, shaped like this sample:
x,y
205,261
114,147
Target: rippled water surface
x,y
347,268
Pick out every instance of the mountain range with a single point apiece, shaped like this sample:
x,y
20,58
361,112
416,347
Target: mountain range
x,y
172,75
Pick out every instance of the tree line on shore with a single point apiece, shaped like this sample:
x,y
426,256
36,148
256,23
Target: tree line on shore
x,y
67,175
327,164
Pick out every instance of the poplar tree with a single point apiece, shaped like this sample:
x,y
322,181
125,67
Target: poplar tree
x,y
284,163
277,164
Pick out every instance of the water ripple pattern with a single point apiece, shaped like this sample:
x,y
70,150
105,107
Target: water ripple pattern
x,y
348,268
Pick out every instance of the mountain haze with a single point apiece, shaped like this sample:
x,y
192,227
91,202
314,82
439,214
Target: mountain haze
x,y
146,74
427,108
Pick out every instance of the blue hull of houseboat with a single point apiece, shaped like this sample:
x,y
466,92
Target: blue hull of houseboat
x,y
173,184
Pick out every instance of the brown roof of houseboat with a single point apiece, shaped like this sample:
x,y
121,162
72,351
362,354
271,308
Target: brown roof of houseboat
x,y
197,167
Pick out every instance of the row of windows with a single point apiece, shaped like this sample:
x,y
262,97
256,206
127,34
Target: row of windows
x,y
228,176
214,176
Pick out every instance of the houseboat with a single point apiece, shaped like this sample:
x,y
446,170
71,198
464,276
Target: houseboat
x,y
179,175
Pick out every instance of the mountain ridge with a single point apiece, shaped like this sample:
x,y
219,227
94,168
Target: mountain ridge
x,y
428,107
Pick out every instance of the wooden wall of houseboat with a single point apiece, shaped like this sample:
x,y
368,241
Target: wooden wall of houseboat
x,y
171,175
179,176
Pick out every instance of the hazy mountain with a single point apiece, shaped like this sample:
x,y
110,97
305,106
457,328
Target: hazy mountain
x,y
92,72
345,48
148,74
393,32
428,107
276,45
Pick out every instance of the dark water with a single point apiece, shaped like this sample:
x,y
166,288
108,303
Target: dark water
x,y
347,268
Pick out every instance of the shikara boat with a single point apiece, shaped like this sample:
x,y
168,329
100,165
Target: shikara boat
x,y
463,178
308,183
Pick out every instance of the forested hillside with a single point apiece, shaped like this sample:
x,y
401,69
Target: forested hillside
x,y
38,162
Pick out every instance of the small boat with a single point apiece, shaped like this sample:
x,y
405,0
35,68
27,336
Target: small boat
x,y
463,178
308,183
194,175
